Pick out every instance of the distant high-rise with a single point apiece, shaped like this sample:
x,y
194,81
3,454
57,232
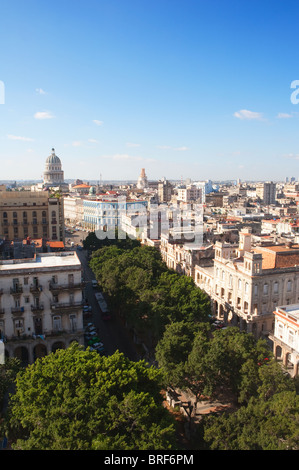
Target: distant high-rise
x,y
165,190
142,180
266,192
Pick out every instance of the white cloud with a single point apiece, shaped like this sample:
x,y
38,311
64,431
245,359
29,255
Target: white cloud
x,y
17,137
98,123
245,114
168,147
93,141
128,158
130,144
284,116
293,156
76,143
181,149
43,115
40,91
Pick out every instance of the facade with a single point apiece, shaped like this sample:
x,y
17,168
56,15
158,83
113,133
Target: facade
x,y
105,214
73,210
31,214
266,192
53,174
249,282
184,257
41,304
190,193
165,190
286,336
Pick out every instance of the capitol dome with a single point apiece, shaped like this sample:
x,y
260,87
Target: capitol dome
x,y
53,174
53,158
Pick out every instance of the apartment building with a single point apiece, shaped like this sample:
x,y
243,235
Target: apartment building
x,y
165,190
190,193
73,210
266,192
285,336
184,256
106,213
41,306
249,282
34,214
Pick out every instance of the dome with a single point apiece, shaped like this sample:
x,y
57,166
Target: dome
x,y
53,158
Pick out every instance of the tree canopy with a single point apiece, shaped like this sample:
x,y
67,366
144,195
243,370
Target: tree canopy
x,y
143,290
74,399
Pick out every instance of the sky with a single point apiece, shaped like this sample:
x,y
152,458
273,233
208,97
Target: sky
x,y
196,89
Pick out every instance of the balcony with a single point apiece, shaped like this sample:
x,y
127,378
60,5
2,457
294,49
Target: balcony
x,y
54,287
35,288
17,310
16,290
37,308
67,306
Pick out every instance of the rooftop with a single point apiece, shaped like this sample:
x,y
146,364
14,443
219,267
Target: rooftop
x,y
40,261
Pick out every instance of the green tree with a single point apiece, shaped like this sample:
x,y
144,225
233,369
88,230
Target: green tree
x,y
172,351
75,399
261,425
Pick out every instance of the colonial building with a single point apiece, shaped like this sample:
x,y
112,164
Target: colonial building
x,y
41,304
286,336
34,214
105,214
53,174
249,282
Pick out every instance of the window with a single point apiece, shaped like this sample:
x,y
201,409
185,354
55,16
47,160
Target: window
x,y
56,323
73,322
239,284
255,290
289,286
275,287
266,289
291,338
246,287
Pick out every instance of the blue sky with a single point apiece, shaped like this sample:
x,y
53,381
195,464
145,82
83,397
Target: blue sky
x,y
194,89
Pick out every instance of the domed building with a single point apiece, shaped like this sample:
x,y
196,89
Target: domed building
x,y
53,174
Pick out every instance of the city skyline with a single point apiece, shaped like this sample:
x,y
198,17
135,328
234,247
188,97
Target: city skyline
x,y
193,89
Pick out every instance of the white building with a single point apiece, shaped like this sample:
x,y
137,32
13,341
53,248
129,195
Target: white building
x,y
249,282
53,174
286,336
41,304
73,210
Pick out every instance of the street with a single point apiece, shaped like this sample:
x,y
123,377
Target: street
x,y
111,332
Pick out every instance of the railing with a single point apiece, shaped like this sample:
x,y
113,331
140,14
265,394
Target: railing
x,y
16,290
37,308
71,285
36,288
66,305
17,310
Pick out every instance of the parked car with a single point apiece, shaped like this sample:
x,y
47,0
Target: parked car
x,y
94,283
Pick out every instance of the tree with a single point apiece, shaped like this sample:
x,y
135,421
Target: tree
x,y
74,399
261,425
173,350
